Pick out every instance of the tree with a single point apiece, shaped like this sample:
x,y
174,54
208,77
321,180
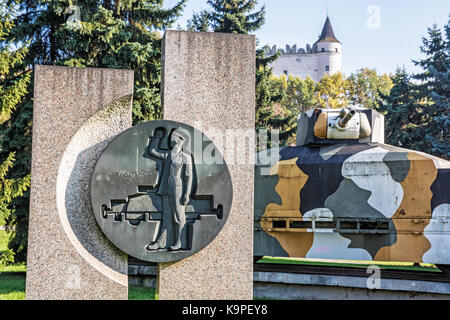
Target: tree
x,y
362,88
266,97
441,114
404,115
228,16
239,16
331,91
298,95
365,87
434,88
199,21
123,34
13,89
109,34
301,94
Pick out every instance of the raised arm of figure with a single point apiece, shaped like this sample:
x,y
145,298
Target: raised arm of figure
x,y
153,150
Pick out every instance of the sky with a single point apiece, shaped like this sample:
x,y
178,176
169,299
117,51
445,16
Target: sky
x,y
379,34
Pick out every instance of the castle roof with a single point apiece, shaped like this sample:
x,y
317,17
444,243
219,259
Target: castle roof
x,y
327,34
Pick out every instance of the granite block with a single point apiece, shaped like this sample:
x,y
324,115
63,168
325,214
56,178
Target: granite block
x,y
209,83
77,111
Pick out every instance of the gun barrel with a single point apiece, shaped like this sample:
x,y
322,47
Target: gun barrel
x,y
343,121
343,113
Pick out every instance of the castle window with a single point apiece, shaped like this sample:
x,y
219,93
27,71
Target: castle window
x,y
285,72
327,68
336,50
323,49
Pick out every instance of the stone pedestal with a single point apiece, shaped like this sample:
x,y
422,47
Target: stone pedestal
x,y
209,83
76,113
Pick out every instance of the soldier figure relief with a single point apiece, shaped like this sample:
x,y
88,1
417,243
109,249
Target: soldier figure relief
x,y
174,187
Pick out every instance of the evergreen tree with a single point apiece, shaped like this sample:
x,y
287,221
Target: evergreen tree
x,y
266,97
441,119
404,115
239,16
434,88
14,182
229,16
199,21
94,33
123,34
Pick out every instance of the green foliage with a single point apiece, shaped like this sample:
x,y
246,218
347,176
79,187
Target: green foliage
x,y
12,286
109,34
404,116
199,21
229,16
301,94
122,34
6,257
434,89
10,188
393,265
265,95
439,135
15,134
297,95
239,16
365,87
331,91
417,112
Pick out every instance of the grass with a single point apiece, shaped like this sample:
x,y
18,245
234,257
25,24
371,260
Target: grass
x,y
141,293
12,280
12,277
14,268
352,263
12,286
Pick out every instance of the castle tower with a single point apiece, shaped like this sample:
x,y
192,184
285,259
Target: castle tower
x,y
325,56
329,51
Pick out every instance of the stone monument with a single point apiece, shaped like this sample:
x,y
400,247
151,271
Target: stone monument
x,y
76,113
161,191
209,83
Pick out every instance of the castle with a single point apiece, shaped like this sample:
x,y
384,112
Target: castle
x,y
325,56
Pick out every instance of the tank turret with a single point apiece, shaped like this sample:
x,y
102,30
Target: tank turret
x,y
333,126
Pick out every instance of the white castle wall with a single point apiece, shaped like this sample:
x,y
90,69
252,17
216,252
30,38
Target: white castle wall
x,y
313,64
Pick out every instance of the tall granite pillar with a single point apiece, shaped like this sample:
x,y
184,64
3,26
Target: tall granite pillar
x,y
76,113
209,83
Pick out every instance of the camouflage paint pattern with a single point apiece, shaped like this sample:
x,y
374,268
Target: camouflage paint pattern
x,y
352,200
366,201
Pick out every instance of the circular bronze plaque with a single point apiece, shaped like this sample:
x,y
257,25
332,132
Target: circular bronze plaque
x,y
161,191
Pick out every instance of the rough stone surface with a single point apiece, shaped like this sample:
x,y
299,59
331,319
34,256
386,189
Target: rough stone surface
x,y
76,113
209,83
